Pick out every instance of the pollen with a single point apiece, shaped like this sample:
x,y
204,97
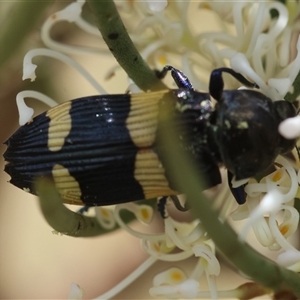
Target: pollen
x,y
206,6
156,247
242,125
54,16
277,176
105,213
227,123
162,60
176,276
145,214
284,229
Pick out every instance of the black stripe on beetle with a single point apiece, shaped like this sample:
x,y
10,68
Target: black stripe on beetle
x,y
104,150
96,148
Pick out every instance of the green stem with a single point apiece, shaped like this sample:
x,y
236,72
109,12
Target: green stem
x,y
291,97
19,21
65,221
242,256
119,43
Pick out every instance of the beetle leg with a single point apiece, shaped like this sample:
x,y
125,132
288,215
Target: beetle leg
x,y
180,79
216,83
178,205
161,206
238,192
84,209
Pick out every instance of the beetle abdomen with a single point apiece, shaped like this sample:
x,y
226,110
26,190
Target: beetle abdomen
x,y
98,150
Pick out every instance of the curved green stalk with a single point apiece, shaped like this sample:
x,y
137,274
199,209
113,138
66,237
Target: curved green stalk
x,y
65,221
119,43
291,97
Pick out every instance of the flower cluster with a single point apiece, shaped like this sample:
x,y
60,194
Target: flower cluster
x,y
249,40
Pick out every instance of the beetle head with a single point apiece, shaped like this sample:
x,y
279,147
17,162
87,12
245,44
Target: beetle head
x,y
247,131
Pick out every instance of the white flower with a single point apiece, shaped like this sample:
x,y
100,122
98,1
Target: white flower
x,y
190,239
290,128
76,293
279,190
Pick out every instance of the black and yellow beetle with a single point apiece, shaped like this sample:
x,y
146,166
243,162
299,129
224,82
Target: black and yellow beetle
x,y
103,150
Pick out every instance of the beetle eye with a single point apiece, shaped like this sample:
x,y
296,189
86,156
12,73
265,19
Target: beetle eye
x,y
283,111
286,146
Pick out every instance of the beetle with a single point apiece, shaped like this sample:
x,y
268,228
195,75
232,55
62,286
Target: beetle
x,y
103,150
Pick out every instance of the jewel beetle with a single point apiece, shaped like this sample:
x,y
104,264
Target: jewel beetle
x,y
103,149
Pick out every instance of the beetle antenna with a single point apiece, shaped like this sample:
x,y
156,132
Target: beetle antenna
x,y
161,205
179,77
216,83
178,205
